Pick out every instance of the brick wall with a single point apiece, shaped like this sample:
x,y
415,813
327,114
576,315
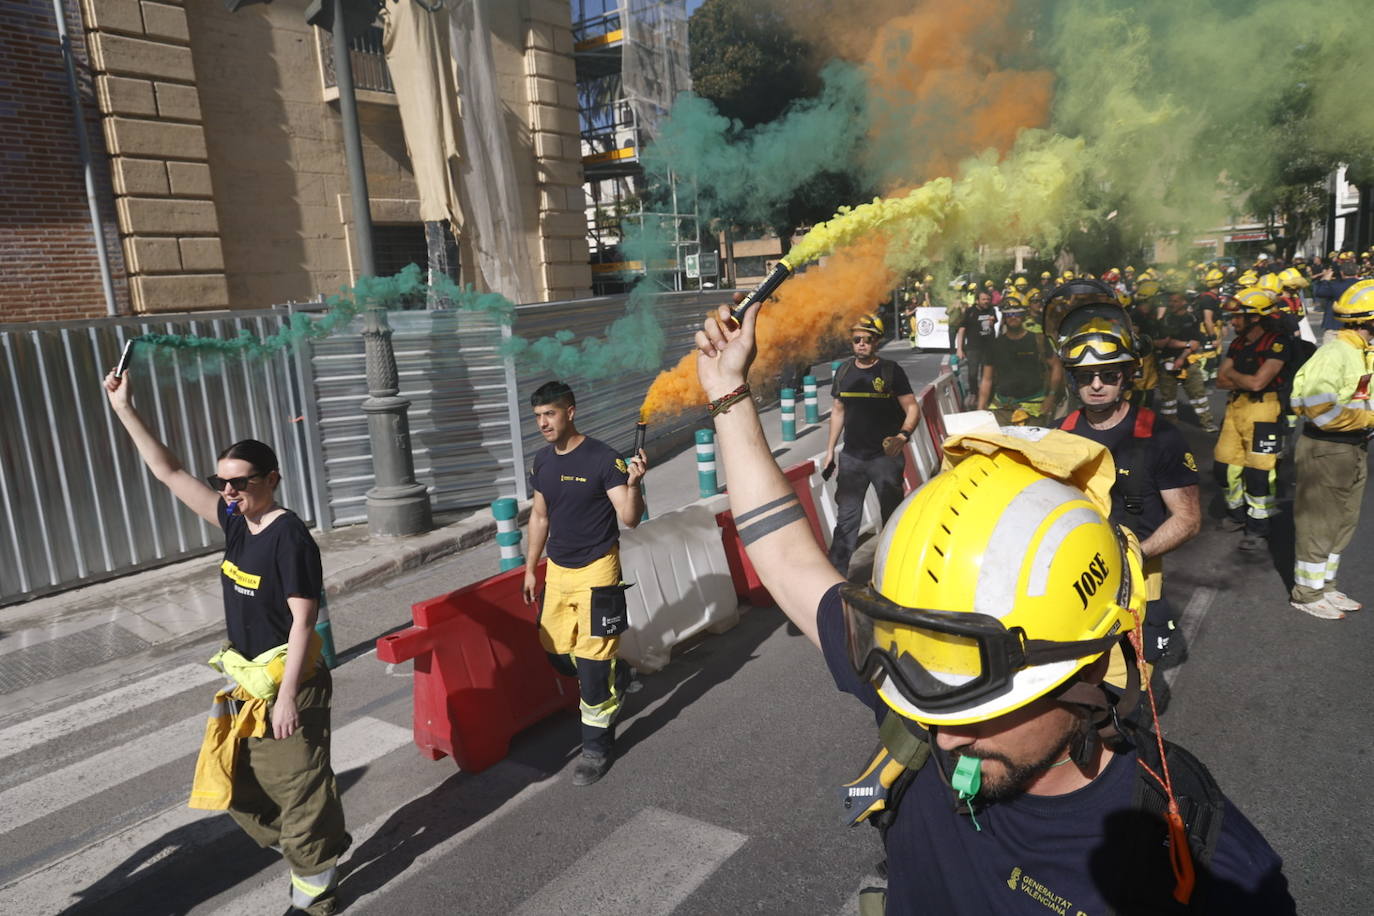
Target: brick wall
x,y
48,263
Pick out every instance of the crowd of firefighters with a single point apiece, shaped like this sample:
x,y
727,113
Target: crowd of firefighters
x,y
1178,333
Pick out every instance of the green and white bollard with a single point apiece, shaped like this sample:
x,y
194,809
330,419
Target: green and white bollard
x,y
789,415
506,511
326,631
706,463
813,406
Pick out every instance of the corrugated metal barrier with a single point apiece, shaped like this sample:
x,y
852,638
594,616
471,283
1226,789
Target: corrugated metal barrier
x,y
78,505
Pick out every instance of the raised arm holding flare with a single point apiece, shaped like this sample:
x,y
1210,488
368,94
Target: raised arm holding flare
x,y
985,674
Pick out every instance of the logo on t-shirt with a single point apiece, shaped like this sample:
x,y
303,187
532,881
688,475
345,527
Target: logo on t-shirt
x,y
563,478
1189,463
878,384
244,583
1041,894
621,466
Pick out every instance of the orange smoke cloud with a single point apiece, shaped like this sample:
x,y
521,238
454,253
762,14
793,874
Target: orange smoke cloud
x,y
808,310
939,92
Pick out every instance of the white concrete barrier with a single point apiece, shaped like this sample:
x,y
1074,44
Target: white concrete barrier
x,y
682,584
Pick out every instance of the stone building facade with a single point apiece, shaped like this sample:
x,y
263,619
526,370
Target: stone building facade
x,y
221,138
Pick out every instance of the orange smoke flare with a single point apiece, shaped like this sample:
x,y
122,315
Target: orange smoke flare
x,y
810,310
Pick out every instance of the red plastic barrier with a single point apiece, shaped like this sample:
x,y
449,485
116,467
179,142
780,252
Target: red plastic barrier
x,y
481,675
746,580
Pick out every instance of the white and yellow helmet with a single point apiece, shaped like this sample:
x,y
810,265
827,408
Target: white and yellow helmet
x,y
993,585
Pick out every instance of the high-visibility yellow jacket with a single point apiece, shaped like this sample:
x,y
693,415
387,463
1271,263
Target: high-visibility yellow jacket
x,y
1332,388
255,688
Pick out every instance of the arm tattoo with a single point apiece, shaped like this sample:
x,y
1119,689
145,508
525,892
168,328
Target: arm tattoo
x,y
766,526
766,507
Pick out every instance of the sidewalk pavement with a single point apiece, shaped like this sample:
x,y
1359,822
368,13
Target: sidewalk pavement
x,y
180,604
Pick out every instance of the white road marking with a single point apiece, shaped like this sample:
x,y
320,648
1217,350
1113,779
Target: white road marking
x,y
647,867
253,901
119,858
50,726
1190,621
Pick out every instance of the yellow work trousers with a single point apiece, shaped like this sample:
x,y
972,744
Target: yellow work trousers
x,y
574,632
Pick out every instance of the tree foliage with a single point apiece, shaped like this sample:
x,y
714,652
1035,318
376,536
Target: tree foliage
x,y
747,61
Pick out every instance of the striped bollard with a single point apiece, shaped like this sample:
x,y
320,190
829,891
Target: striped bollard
x,y
813,406
835,367
789,415
706,463
326,632
506,512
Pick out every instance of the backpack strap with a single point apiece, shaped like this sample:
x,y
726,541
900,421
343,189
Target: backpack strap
x,y
1202,806
903,748
1132,460
840,373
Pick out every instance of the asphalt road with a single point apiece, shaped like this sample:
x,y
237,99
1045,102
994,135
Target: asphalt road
x,y
724,798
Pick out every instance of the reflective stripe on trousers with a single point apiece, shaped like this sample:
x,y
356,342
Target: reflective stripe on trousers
x,y
306,889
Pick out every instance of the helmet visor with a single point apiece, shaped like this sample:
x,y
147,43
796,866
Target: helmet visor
x,y
944,660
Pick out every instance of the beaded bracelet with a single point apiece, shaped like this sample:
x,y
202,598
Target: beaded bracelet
x,y
723,403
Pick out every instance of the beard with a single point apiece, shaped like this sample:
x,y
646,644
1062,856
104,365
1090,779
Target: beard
x,y
1016,776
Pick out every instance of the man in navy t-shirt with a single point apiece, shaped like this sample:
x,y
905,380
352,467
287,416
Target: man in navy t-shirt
x,y
583,490
1156,489
998,589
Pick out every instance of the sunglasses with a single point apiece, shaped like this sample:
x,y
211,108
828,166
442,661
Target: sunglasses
x,y
861,339
1085,377
217,482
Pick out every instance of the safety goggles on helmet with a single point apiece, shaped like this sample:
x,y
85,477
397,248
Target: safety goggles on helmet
x,y
945,660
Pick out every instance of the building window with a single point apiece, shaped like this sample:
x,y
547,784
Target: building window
x,y
396,246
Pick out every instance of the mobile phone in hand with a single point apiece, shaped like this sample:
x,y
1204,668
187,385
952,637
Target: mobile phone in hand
x,y
828,471
124,359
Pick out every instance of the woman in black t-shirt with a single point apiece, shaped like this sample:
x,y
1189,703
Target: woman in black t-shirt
x,y
284,793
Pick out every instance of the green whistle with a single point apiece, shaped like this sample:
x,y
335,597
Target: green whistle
x,y
968,777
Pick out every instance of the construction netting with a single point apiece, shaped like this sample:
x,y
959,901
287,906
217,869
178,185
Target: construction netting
x,y
655,66
454,121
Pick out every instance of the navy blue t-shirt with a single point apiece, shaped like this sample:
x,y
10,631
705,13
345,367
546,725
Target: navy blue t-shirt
x,y
582,522
1040,854
259,571
1166,462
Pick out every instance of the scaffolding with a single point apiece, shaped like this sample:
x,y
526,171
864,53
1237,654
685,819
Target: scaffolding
x,y
631,60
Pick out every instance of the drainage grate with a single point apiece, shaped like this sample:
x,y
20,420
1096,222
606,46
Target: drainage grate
x,y
66,654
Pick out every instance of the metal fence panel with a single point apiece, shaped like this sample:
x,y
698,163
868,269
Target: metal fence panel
x,y
451,369
79,505
608,408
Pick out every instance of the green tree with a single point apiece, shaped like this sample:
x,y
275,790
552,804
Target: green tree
x,y
749,63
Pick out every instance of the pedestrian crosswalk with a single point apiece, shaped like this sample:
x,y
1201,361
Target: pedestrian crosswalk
x,y
648,860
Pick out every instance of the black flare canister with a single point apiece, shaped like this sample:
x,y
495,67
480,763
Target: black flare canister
x,y
781,271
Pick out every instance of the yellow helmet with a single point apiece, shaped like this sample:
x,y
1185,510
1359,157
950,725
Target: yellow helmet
x,y
1020,283
1146,289
1045,275
1272,283
1068,275
1356,304
949,638
1292,278
1249,278
1097,335
1256,302
870,323
1071,296
1014,301
1213,278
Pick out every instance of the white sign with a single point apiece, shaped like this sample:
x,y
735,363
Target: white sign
x,y
932,328
693,264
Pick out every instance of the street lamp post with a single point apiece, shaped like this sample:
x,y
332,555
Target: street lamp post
x,y
396,504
